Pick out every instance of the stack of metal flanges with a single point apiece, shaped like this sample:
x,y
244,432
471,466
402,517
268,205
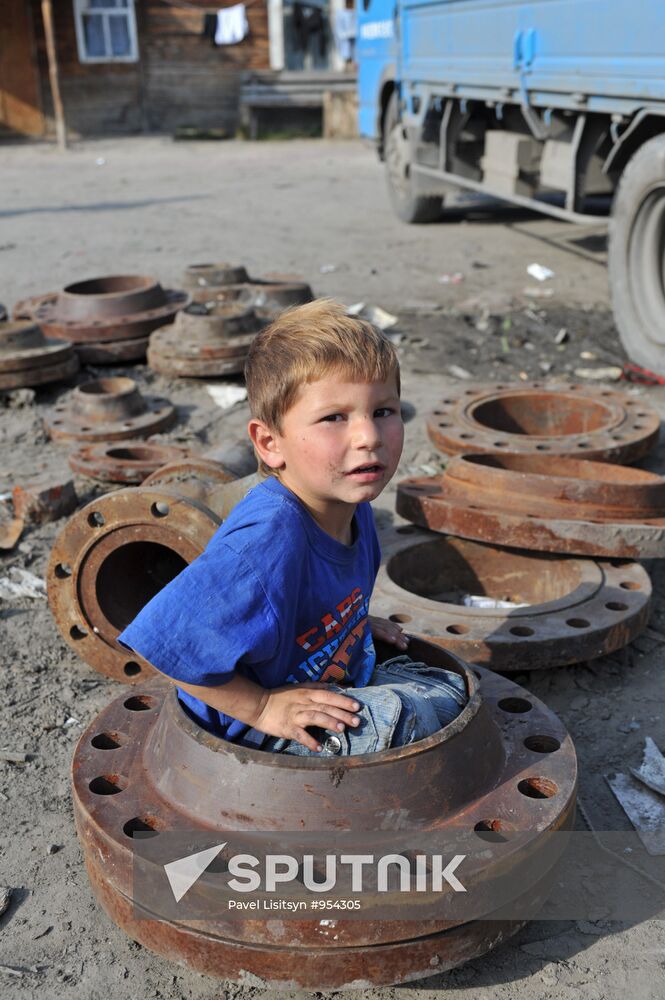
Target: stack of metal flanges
x,y
108,319
211,284
205,341
520,555
28,358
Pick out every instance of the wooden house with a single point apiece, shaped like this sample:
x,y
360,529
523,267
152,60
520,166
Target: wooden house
x,y
132,66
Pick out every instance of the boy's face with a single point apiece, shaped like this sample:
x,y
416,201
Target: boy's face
x,y
340,441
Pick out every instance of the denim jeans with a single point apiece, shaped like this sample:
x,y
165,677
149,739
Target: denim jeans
x,y
404,702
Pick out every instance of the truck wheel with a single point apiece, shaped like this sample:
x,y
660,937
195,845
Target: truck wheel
x,y
637,256
408,206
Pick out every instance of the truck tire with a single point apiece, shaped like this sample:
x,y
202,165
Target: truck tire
x,y
408,206
637,258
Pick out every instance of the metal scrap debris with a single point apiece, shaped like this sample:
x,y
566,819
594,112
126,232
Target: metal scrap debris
x,y
641,794
651,771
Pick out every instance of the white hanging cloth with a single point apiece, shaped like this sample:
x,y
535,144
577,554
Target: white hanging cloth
x,y
232,25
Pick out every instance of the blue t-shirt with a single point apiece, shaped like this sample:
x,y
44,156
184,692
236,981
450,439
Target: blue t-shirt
x,y
273,598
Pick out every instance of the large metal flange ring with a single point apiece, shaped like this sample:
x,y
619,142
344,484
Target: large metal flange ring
x,y
44,310
572,609
579,421
505,766
548,504
111,557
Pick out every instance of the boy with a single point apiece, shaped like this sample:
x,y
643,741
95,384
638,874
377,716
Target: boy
x,y
264,632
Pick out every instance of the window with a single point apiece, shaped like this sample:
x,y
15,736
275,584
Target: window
x,y
105,30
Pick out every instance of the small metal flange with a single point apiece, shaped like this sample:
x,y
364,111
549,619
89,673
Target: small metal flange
x,y
214,275
574,420
111,558
550,504
29,358
564,609
108,409
128,462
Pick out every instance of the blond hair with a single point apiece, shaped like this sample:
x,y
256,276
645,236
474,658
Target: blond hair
x,y
307,343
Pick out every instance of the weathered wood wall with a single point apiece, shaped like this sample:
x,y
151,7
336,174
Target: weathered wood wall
x,y
181,78
20,99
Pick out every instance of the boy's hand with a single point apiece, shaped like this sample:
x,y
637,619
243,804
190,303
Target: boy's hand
x,y
288,710
387,631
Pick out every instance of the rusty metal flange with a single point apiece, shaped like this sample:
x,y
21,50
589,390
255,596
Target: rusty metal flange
x,y
108,409
221,321
214,275
129,462
269,297
28,358
211,343
506,765
549,504
113,307
112,352
574,420
194,476
24,346
111,558
576,609
59,372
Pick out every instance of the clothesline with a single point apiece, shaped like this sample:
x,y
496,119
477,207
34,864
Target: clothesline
x,y
210,7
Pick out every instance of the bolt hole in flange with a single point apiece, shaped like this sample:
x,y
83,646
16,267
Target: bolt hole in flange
x,y
96,520
522,631
578,623
616,606
108,784
515,706
143,826
63,571
132,669
159,509
537,788
139,703
108,741
76,632
490,830
400,619
542,744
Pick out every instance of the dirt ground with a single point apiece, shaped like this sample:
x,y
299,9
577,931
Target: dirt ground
x,y
318,209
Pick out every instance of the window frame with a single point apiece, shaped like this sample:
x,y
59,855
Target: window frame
x,y
81,8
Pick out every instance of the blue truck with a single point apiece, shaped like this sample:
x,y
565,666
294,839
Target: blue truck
x,y
556,105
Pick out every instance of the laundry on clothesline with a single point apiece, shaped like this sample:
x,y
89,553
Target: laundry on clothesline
x,y
345,32
232,25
